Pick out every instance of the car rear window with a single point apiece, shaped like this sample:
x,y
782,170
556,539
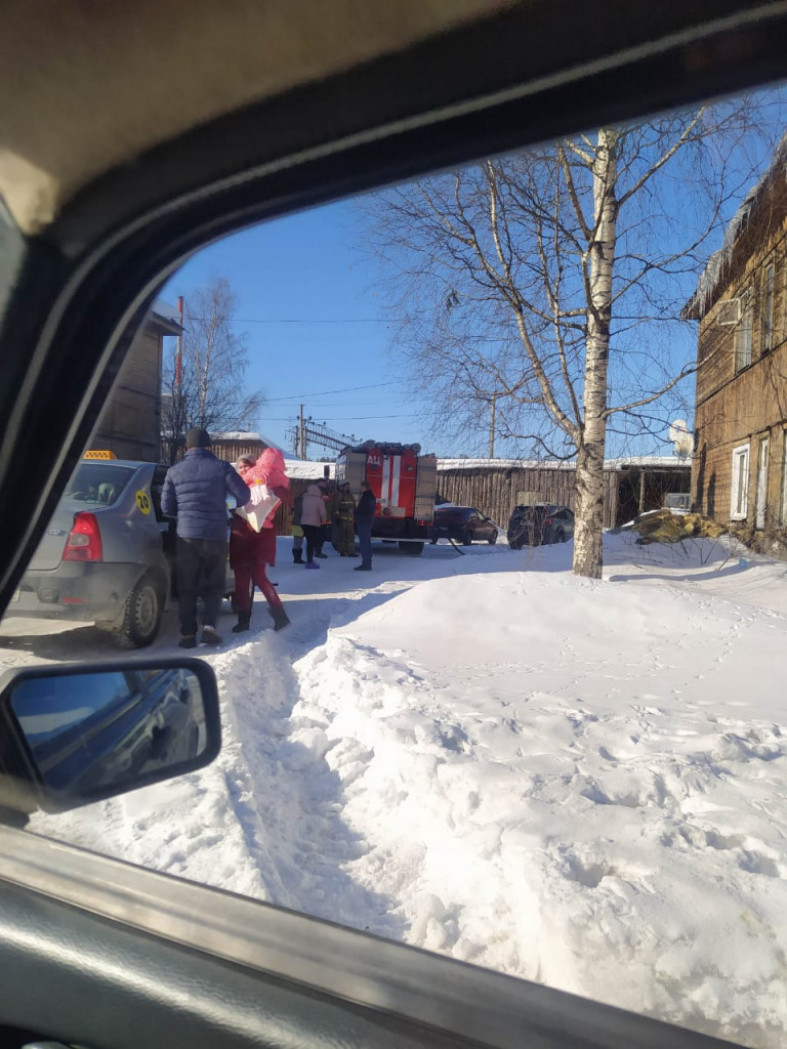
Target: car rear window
x,y
98,483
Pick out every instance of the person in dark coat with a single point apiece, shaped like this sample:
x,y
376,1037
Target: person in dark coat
x,y
343,516
297,531
364,515
195,491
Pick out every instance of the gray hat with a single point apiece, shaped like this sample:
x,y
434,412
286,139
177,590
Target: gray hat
x,y
197,438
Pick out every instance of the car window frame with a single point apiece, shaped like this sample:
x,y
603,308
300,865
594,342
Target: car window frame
x,y
51,307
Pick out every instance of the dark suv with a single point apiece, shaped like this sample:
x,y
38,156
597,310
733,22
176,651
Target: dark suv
x,y
540,523
464,524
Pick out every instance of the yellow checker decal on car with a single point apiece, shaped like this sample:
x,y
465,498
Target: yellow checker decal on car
x,y
143,502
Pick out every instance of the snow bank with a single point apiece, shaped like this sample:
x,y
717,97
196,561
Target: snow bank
x,y
581,783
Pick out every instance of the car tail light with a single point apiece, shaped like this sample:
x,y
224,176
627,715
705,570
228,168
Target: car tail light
x,y
84,540
548,521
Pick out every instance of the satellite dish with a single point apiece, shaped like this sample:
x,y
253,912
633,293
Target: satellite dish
x,y
681,438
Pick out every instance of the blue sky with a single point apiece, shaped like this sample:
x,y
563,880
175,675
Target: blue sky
x,y
314,326
310,302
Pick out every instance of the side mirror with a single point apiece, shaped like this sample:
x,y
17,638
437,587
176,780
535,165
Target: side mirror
x,y
76,734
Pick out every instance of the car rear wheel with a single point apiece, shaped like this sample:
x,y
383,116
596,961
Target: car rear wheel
x,y
141,619
467,539
560,536
492,539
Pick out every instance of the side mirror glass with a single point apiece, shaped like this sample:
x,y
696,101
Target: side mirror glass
x,y
78,734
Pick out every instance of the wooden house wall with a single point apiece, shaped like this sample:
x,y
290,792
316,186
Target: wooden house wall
x,y
496,491
735,409
232,450
130,423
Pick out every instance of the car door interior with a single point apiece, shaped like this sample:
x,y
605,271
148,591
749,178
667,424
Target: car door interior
x,y
106,955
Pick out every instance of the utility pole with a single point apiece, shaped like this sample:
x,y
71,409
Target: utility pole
x,y
492,427
179,350
302,436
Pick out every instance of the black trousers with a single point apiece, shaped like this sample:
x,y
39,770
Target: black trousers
x,y
202,572
312,535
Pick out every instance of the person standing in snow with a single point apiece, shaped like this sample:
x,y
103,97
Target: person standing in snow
x,y
195,492
251,551
364,515
313,517
343,516
297,531
324,535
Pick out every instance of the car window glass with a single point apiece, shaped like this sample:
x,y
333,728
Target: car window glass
x,y
468,744
47,714
98,483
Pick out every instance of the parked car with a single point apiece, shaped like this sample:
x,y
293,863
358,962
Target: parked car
x,y
104,557
108,554
539,524
463,524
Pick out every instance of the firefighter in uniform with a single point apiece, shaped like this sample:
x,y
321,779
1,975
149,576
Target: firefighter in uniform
x,y
343,521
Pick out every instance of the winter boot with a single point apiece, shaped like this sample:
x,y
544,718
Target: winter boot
x,y
280,618
296,556
209,636
244,618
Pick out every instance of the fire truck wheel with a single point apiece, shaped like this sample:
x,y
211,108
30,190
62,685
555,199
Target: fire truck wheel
x,y
414,549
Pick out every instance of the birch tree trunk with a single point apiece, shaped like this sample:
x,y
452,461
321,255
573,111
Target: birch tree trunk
x,y
588,553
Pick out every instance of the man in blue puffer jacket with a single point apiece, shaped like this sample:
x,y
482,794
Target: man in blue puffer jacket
x,y
195,491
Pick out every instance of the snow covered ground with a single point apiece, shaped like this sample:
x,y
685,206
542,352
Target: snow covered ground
x,y
577,782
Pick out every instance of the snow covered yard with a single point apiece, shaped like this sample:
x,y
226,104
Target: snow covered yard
x,y
575,782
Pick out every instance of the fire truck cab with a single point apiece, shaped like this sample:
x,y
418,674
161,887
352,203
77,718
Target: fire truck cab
x,y
404,484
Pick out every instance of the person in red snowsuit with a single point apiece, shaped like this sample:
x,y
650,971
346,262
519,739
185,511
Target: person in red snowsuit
x,y
250,551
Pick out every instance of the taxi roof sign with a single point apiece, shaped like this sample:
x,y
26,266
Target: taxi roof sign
x,y
99,454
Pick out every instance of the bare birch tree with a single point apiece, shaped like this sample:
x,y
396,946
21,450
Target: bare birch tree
x,y
545,283
209,389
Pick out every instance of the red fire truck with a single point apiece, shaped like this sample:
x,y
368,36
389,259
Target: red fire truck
x,y
404,483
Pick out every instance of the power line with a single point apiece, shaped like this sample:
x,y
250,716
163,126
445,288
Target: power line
x,y
318,320
351,418
366,418
330,393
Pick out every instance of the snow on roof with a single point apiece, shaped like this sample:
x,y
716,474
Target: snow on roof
x,y
643,461
250,437
166,310
716,266
304,470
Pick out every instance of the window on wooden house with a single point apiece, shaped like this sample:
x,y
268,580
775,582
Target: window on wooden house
x,y
739,502
743,333
766,314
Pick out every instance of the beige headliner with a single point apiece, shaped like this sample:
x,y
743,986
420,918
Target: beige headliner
x,y
90,84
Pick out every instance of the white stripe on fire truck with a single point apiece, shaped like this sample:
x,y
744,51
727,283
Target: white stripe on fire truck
x,y
385,493
395,478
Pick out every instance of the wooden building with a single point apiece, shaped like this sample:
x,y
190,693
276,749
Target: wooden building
x,y
631,486
740,460
130,423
